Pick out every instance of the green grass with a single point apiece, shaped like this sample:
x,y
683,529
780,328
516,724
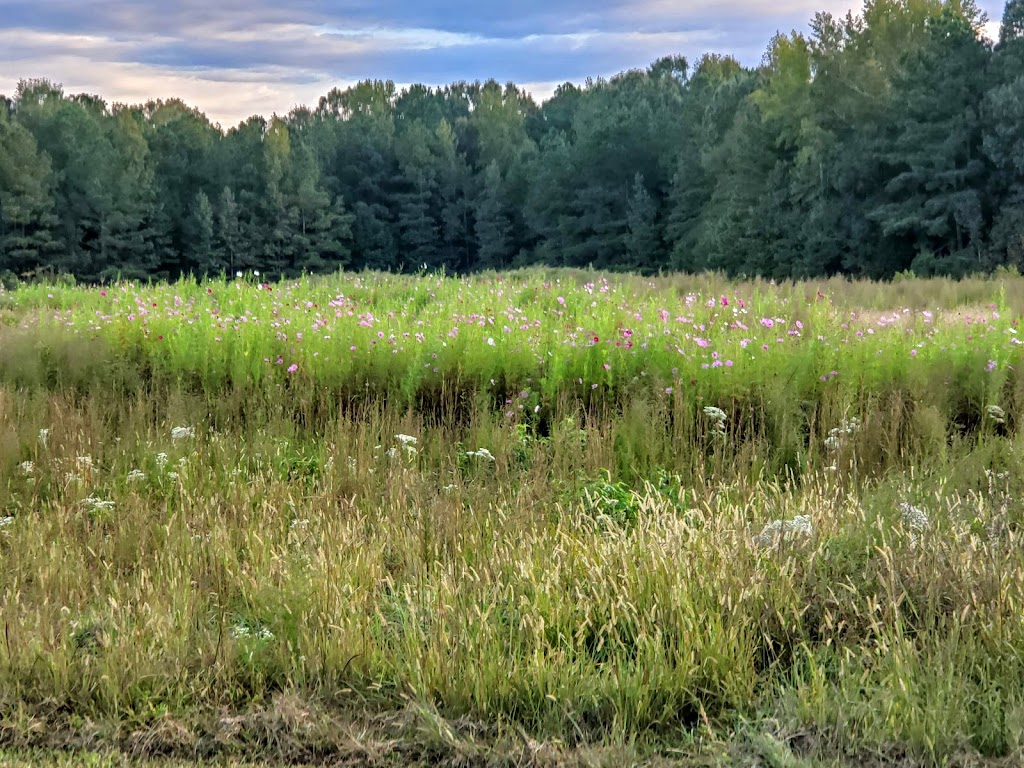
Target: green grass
x,y
205,556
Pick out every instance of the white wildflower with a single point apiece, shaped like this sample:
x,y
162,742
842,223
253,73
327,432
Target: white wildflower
x,y
392,453
71,477
182,433
406,439
481,453
161,460
6,521
136,475
296,523
242,632
44,437
27,467
99,504
837,435
997,414
777,530
84,462
172,475
914,518
715,414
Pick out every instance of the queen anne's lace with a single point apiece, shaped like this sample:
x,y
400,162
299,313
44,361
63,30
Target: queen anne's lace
x,y
777,530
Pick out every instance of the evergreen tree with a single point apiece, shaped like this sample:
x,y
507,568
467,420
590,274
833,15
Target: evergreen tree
x,y
200,251
642,245
933,196
27,218
228,236
493,226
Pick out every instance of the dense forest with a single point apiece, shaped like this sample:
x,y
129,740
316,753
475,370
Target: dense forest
x,y
881,142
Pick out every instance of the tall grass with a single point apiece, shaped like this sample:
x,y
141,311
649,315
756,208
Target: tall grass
x,y
836,558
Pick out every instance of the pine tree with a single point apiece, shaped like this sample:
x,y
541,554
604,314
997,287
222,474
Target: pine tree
x,y
27,219
228,235
199,245
642,245
493,225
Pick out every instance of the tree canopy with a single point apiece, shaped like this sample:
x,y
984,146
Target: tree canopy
x,y
874,143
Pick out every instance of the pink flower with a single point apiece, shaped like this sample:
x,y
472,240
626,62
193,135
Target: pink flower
x,y
293,368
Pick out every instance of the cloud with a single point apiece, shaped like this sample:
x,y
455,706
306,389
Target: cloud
x,y
233,58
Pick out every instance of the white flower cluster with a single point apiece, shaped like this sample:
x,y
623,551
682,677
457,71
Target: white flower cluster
x,y
44,437
242,632
182,433
6,521
716,416
27,467
997,414
84,462
161,460
98,504
915,518
777,530
481,453
837,435
408,445
136,475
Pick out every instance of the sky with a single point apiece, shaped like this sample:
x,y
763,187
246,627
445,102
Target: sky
x,y
236,58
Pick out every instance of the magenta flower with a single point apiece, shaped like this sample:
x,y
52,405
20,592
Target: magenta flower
x,y
293,368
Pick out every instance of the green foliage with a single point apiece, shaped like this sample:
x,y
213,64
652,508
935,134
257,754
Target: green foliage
x,y
875,143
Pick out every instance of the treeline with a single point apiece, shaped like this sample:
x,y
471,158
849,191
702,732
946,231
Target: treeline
x,y
876,143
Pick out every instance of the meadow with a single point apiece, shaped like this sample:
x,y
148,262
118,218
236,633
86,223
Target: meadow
x,y
532,518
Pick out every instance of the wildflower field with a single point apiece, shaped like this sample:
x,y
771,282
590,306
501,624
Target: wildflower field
x,y
537,518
